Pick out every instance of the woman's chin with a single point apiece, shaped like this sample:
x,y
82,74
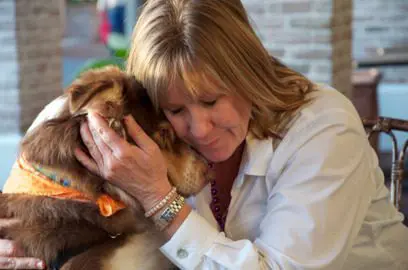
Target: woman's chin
x,y
216,157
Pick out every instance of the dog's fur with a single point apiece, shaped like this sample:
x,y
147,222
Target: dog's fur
x,y
50,225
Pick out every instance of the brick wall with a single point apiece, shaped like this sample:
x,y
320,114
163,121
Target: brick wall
x,y
30,60
381,24
311,36
9,98
39,34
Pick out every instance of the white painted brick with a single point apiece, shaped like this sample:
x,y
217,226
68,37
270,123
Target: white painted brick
x,y
31,60
304,41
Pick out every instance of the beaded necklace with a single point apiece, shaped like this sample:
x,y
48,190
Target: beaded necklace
x,y
221,192
219,208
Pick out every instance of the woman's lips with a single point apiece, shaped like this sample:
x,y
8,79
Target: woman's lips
x,y
209,144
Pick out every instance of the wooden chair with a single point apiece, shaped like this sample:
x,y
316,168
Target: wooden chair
x,y
388,125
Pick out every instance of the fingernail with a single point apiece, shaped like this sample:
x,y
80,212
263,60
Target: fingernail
x,y
10,263
7,249
40,265
91,117
82,127
127,117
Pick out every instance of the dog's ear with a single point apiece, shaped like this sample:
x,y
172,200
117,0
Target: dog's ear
x,y
81,93
92,83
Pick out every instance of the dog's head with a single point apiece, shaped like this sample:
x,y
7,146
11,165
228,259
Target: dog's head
x,y
113,94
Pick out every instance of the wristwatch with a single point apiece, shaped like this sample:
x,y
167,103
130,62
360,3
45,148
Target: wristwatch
x,y
164,218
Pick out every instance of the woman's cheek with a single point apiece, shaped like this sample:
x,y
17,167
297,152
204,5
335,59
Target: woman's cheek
x,y
178,125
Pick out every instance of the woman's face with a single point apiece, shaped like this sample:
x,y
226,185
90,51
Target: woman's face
x,y
214,124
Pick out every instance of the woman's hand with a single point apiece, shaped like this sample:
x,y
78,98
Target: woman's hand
x,y
140,170
11,256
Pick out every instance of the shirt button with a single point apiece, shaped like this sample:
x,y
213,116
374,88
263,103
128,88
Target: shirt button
x,y
182,253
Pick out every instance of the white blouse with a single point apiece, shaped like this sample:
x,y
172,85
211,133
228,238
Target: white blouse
x,y
317,201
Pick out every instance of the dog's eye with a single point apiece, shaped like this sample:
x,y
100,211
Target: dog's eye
x,y
110,104
164,133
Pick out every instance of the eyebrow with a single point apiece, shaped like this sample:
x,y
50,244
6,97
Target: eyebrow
x,y
171,107
167,104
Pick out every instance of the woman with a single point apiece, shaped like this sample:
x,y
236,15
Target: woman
x,y
297,185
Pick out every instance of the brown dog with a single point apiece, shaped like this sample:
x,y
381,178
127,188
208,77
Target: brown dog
x,y
53,226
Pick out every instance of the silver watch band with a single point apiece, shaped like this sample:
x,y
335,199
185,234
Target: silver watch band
x,y
164,218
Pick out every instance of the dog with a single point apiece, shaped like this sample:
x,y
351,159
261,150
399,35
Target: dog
x,y
54,226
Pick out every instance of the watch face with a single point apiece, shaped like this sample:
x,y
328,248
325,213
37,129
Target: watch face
x,y
167,215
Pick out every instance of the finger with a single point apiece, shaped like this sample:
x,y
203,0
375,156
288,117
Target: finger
x,y
8,248
105,137
88,140
7,222
137,133
86,161
21,263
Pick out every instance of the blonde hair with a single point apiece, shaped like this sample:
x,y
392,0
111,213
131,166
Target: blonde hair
x,y
212,40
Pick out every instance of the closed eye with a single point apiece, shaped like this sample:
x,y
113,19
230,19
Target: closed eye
x,y
176,111
209,103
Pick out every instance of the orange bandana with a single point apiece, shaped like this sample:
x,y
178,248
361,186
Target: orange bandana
x,y
24,179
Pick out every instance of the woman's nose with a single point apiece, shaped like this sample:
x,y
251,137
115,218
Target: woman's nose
x,y
200,124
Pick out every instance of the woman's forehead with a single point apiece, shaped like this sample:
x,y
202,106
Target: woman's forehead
x,y
177,92
187,90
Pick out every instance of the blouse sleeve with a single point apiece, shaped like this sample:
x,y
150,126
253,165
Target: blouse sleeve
x,y
315,207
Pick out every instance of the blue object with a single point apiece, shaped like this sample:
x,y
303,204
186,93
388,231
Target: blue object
x,y
116,16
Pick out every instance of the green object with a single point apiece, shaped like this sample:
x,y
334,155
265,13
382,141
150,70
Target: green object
x,y
100,63
118,44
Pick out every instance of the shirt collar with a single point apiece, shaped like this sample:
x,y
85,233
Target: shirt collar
x,y
256,157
